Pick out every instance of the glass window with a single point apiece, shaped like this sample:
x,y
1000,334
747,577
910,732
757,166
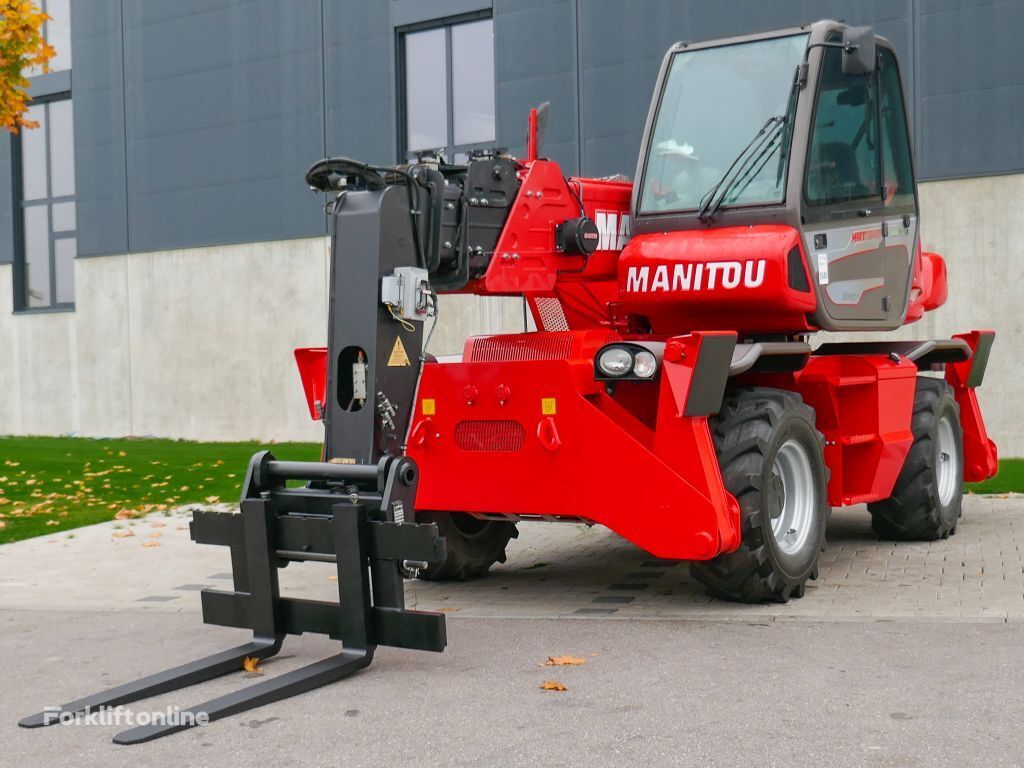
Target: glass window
x,y
473,82
37,257
56,32
842,163
62,216
48,243
62,149
897,173
714,104
64,250
448,88
426,89
33,156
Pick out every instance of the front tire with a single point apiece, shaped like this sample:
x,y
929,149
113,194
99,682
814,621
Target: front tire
x,y
772,461
927,499
474,545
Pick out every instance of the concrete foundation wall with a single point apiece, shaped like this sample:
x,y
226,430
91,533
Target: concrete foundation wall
x,y
978,227
197,343
194,344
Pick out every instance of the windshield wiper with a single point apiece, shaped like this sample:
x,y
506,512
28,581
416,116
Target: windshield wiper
x,y
755,152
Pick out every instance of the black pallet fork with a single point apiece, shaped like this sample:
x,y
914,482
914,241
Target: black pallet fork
x,y
349,514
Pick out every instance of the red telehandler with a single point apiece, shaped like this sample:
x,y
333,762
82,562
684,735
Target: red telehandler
x,y
671,391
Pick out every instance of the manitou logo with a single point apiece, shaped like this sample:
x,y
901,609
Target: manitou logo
x,y
695,277
614,229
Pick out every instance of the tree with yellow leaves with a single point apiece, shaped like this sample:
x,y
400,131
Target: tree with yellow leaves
x,y
21,46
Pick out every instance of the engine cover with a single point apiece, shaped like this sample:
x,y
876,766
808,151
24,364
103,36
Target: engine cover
x,y
735,278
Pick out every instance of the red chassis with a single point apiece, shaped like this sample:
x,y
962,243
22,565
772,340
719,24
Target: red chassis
x,y
518,427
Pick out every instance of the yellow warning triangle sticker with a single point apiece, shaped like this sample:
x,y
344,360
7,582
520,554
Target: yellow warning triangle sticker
x,y
399,358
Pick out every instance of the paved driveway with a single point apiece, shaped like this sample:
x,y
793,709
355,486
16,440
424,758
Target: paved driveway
x,y
557,570
908,655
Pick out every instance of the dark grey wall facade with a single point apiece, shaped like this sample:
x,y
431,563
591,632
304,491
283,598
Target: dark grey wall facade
x,y
196,119
970,87
622,50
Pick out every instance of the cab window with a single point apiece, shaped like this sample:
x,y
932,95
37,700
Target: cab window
x,y
842,163
897,173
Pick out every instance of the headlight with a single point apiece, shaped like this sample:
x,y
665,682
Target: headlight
x,y
616,361
627,361
644,364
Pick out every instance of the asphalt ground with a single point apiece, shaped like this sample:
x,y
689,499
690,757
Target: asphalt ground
x,y
905,655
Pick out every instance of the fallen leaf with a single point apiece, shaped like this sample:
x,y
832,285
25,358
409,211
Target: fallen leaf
x,y
53,522
121,453
212,499
157,524
151,543
154,535
563,661
122,534
125,514
447,610
2,525
251,664
552,685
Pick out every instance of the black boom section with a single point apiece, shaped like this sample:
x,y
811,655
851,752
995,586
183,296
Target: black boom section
x,y
372,236
446,221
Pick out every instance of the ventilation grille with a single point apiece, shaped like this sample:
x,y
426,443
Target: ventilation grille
x,y
529,346
491,435
552,318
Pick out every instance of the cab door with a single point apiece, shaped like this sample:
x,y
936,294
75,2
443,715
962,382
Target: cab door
x,y
859,230
899,190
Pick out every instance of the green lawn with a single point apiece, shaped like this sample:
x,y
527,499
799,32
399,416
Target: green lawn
x,y
1010,479
50,484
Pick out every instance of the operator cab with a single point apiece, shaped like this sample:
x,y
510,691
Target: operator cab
x,y
805,127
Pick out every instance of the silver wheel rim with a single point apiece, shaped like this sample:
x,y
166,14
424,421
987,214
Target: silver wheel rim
x,y
791,527
947,461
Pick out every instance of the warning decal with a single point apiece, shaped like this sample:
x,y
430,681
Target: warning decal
x,y
399,358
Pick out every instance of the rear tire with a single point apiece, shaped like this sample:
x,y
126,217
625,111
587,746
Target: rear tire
x,y
474,545
927,499
772,461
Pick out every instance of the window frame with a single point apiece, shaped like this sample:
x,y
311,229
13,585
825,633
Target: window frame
x,y
21,305
842,209
451,149
895,209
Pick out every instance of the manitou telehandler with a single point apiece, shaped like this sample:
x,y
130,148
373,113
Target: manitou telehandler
x,y
670,391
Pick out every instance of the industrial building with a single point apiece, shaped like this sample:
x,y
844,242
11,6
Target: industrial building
x,y
161,255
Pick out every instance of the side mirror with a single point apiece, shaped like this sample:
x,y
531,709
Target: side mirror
x,y
858,51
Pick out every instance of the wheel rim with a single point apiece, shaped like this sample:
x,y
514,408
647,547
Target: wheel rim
x,y
947,461
792,511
